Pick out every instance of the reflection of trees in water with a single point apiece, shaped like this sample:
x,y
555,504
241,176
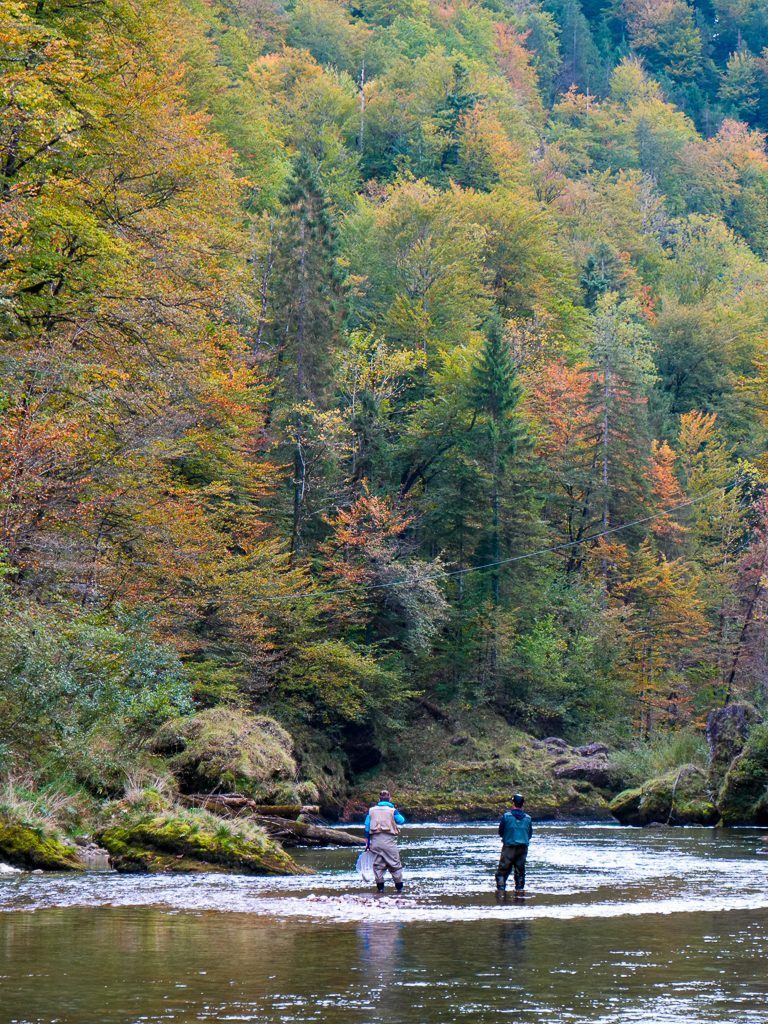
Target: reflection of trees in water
x,y
153,962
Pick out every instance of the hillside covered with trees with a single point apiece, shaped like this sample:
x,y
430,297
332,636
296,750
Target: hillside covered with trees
x,y
378,363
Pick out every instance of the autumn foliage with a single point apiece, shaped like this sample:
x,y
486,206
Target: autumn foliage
x,y
361,353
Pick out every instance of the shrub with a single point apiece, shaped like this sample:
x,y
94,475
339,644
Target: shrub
x,y
664,753
226,748
81,694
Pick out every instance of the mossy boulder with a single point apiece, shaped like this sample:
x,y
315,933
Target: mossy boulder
x,y
595,770
192,840
228,749
728,730
25,847
625,806
743,798
680,797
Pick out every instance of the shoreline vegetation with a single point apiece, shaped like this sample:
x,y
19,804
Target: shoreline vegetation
x,y
383,394
156,827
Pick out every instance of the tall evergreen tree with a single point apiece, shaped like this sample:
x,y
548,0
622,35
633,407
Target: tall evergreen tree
x,y
306,286
622,366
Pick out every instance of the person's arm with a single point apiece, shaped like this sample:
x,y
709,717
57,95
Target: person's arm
x,y
399,818
530,828
501,826
368,830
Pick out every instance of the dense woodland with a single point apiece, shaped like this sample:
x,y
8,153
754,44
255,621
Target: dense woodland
x,y
365,356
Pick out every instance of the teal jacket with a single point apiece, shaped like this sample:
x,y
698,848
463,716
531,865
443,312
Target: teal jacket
x,y
516,828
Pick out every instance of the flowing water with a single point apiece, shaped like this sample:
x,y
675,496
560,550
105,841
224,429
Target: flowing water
x,y
622,925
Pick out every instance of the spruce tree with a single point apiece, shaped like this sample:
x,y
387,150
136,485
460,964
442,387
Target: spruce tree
x,y
495,398
306,286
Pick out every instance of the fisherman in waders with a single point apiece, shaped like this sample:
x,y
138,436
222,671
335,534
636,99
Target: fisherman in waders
x,y
515,829
381,831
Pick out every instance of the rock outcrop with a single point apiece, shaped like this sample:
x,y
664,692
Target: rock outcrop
x,y
591,749
743,797
681,797
24,847
192,840
439,780
595,770
727,731
227,749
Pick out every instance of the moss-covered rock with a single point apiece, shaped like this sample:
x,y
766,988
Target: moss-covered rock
x,y
191,840
625,806
596,770
31,848
225,748
681,797
743,798
728,729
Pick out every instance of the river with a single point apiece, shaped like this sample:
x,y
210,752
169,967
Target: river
x,y
622,925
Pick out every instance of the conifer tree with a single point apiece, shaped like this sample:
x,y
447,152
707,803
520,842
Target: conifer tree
x,y
495,397
622,372
459,101
306,286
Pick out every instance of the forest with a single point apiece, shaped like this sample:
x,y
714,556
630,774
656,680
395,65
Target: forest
x,y
377,366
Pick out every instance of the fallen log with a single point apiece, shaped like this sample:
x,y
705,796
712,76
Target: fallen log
x,y
288,831
233,804
302,833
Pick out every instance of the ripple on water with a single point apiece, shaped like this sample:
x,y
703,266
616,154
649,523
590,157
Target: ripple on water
x,y
598,872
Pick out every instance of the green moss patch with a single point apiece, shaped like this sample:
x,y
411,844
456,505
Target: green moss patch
x,y
437,778
25,847
192,840
743,798
680,797
224,748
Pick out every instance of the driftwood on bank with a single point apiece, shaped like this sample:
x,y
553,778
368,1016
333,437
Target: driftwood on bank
x,y
279,822
302,833
233,804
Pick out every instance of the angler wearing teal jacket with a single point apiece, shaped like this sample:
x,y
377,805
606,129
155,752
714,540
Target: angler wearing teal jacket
x,y
515,829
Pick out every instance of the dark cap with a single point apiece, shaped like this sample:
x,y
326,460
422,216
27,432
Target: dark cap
x,y
518,799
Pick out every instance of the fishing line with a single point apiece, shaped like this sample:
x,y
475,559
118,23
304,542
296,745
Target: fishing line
x,y
451,573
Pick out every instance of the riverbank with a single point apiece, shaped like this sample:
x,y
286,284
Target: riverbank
x,y
468,767
462,767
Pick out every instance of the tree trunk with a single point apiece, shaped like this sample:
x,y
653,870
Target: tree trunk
x,y
287,831
361,136
748,619
606,438
266,275
301,314
299,486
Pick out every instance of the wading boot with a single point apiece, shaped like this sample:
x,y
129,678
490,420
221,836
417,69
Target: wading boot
x,y
398,886
379,887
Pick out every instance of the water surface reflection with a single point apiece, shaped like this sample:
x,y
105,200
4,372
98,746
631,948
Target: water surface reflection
x,y
624,926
